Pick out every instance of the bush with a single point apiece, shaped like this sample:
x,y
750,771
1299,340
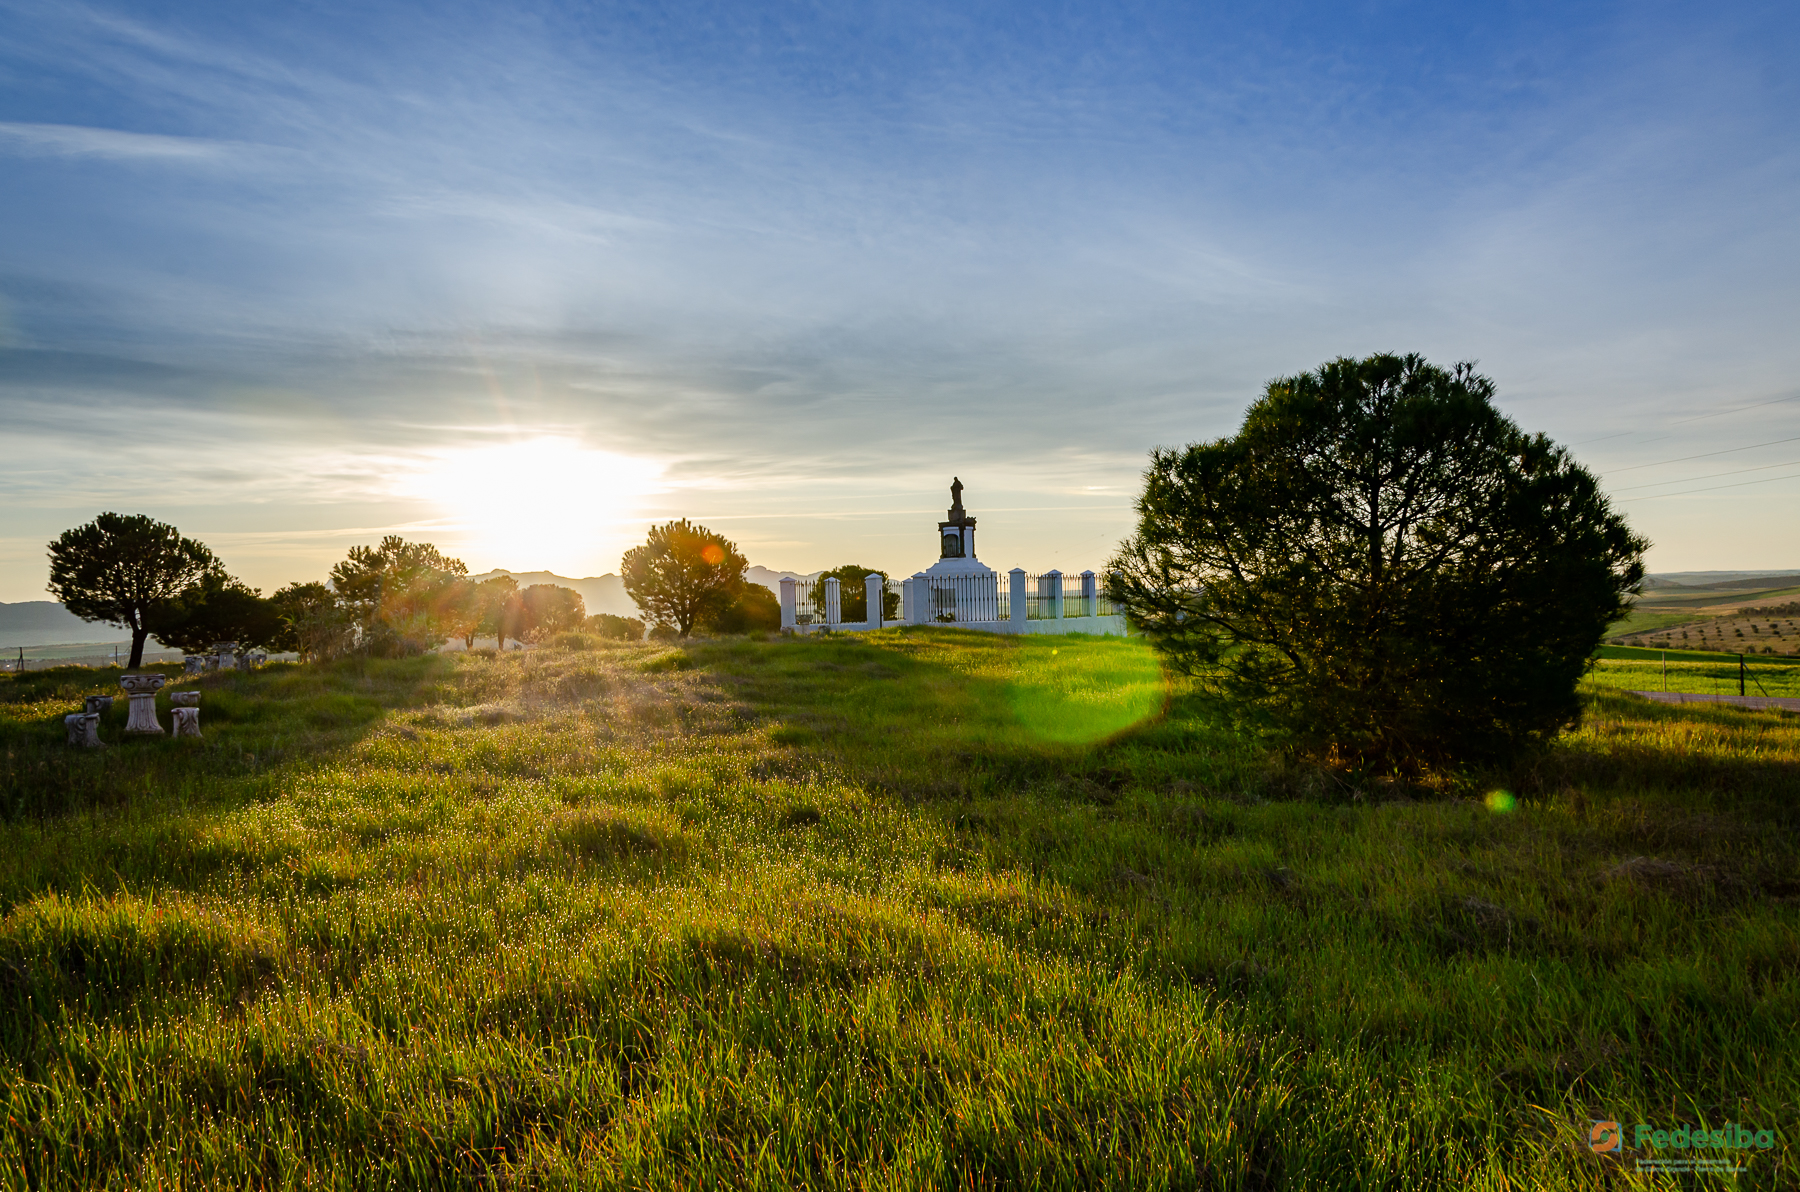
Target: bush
x,y
756,610
606,625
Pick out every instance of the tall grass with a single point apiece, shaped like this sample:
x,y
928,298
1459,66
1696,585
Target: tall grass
x,y
912,908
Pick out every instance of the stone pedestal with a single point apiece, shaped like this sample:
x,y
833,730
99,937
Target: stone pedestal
x,y
187,722
142,689
83,729
100,704
193,664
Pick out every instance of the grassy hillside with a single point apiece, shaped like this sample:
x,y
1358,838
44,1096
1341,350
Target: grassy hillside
x,y
914,908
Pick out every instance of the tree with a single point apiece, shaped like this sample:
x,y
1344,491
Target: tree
x,y
497,612
853,599
394,593
119,567
217,608
1381,566
683,575
546,610
756,610
318,627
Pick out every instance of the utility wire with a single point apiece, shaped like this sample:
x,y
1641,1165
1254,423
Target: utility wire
x,y
1788,463
1774,401
1703,455
1711,488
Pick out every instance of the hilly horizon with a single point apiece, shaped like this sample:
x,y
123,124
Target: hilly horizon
x,y
33,623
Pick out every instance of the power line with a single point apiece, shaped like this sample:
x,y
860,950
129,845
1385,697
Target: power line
x,y
1711,488
1774,401
1788,463
1703,455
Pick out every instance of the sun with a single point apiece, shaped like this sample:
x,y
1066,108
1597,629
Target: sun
x,y
543,504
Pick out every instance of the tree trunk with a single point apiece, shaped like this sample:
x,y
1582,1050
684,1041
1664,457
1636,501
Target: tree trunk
x,y
137,648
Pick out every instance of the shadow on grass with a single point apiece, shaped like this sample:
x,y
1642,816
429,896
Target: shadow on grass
x,y
253,723
938,713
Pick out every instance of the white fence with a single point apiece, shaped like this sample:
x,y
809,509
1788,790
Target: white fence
x,y
1014,602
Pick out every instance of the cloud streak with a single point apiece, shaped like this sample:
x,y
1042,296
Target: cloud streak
x,y
68,140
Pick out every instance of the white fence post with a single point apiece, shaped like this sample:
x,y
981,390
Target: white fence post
x,y
832,607
1088,604
1015,593
921,599
789,605
1053,579
874,591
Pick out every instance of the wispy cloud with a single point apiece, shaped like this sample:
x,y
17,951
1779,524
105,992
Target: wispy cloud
x,y
74,140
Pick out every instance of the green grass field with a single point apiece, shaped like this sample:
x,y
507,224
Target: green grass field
x,y
919,908
1698,672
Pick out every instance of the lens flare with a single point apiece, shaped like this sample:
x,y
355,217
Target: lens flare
x,y
1500,802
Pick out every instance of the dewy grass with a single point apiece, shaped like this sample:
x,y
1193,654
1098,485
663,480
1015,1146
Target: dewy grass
x,y
913,908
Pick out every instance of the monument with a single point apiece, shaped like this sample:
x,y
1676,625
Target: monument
x,y
962,587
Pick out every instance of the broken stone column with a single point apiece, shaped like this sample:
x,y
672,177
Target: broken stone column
x,y
83,729
100,704
187,721
193,664
142,689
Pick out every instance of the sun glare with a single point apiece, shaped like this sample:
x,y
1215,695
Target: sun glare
x,y
538,504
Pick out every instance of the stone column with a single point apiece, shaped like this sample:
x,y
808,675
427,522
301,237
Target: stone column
x,y
1015,598
142,689
1054,580
100,704
921,599
193,664
187,721
790,605
1088,590
875,592
833,606
83,729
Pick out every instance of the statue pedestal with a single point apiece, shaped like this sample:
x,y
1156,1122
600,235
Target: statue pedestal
x,y
187,722
142,689
83,729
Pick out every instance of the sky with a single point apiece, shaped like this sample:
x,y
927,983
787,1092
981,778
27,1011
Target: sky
x,y
522,279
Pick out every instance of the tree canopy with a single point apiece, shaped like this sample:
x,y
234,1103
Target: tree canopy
x,y
119,567
318,627
544,610
400,595
1381,566
218,608
683,574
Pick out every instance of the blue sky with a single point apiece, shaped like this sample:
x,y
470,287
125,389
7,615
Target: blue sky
x,y
519,280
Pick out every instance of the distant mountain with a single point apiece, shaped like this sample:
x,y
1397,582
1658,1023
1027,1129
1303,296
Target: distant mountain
x,y
606,593
1719,581
47,623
